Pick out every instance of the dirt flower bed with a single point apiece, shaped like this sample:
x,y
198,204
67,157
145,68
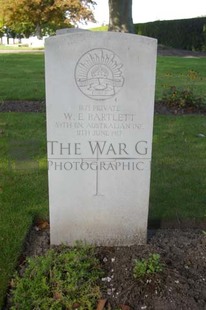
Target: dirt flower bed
x,y
39,106
22,106
180,285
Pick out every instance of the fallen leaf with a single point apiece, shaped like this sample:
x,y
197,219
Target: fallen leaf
x,y
125,307
12,283
75,306
101,304
109,307
57,295
41,224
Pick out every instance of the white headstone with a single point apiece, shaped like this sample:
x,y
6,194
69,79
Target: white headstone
x,y
100,102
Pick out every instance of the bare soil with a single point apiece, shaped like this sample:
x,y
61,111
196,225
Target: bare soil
x,y
165,51
180,286
39,106
22,106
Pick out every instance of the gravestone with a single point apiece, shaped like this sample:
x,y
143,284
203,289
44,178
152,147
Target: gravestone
x,y
100,105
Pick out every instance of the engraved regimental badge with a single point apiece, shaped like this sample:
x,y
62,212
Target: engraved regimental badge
x,y
98,74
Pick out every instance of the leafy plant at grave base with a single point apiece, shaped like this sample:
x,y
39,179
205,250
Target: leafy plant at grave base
x,y
61,279
148,266
181,97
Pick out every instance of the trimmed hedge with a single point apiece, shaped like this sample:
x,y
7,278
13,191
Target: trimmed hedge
x,y
187,34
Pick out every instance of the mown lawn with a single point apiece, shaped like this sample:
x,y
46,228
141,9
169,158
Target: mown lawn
x,y
181,72
23,185
178,186
19,47
23,75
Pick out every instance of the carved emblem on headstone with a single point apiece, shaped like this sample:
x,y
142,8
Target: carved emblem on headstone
x,y
98,74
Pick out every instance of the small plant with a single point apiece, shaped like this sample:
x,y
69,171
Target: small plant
x,y
193,75
182,97
61,279
148,266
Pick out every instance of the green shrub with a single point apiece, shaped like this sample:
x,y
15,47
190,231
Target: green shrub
x,y
148,266
187,34
185,96
182,98
61,279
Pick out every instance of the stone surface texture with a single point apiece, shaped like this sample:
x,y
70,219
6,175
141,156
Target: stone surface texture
x,y
100,106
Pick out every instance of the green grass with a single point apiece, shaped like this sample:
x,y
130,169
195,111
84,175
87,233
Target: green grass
x,y
16,47
24,75
178,185
23,193
181,72
101,28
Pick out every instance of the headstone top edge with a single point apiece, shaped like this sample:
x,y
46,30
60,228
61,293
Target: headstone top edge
x,y
103,34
